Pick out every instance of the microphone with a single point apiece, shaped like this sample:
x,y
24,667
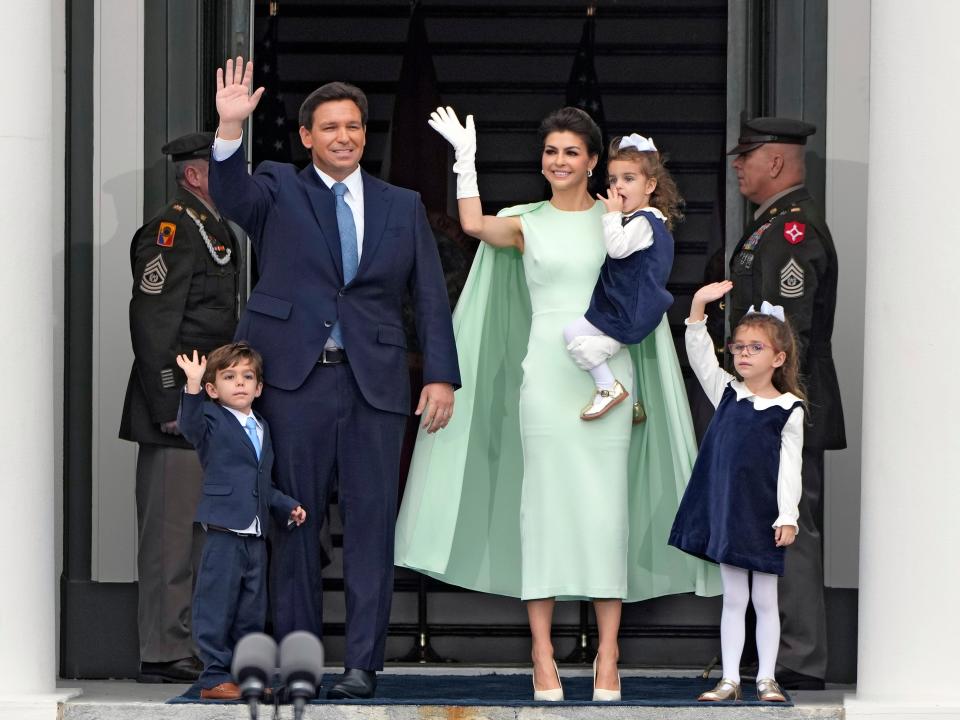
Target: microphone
x,y
301,668
253,664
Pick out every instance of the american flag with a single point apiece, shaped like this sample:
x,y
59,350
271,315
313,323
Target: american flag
x,y
271,141
583,87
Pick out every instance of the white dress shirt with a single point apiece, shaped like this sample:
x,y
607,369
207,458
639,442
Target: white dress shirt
x,y
623,240
254,527
714,380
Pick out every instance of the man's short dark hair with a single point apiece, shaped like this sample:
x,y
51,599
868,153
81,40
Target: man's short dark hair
x,y
329,92
226,356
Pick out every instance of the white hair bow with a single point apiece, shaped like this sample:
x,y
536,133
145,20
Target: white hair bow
x,y
637,141
768,309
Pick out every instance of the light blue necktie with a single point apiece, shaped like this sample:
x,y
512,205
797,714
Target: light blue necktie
x,y
348,246
251,426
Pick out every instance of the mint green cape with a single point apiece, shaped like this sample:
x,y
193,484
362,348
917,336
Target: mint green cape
x,y
459,520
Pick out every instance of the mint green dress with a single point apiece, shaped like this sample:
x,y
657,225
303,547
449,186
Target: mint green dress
x,y
518,496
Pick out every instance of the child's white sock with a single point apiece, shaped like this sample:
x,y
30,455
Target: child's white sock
x,y
603,377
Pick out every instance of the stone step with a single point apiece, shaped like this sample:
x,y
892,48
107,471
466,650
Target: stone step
x,y
122,700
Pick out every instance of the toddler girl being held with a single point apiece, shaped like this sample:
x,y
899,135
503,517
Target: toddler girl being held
x,y
630,296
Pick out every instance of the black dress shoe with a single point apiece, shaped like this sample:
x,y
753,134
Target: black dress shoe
x,y
354,685
184,670
792,680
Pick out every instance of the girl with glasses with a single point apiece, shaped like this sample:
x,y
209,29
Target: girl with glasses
x,y
740,508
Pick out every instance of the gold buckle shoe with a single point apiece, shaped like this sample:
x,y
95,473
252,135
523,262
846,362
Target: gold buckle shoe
x,y
726,690
769,691
639,413
604,401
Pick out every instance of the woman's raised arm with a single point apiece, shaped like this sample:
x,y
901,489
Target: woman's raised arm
x,y
496,231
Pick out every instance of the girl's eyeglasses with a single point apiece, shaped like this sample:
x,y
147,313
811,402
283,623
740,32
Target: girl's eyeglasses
x,y
750,348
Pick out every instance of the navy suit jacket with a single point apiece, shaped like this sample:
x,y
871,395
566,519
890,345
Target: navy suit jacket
x,y
291,219
236,486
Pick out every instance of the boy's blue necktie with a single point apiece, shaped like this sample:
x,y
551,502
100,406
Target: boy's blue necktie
x,y
348,246
251,426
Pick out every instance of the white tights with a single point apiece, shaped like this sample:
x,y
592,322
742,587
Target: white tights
x,y
736,594
602,375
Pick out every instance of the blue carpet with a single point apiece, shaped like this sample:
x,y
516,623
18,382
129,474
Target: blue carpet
x,y
515,690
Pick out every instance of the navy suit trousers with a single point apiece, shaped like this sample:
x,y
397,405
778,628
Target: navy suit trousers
x,y
326,435
229,601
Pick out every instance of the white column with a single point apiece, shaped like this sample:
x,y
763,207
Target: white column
x,y
27,602
848,122
909,581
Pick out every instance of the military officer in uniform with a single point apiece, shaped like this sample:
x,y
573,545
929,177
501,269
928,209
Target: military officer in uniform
x,y
186,265
787,256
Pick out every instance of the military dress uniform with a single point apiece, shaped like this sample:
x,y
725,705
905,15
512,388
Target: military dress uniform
x,y
787,257
185,264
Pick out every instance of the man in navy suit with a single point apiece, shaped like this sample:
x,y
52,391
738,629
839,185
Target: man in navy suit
x,y
230,598
337,250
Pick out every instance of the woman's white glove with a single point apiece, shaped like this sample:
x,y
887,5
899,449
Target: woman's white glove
x,y
464,141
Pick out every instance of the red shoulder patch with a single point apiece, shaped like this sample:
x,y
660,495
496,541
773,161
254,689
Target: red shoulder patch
x,y
794,232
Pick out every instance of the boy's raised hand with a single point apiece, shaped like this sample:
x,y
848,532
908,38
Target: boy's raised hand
x,y
193,368
613,200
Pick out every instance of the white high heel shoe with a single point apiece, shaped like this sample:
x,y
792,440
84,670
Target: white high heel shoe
x,y
555,695
601,695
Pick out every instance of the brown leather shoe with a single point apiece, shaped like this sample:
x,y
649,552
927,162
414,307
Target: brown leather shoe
x,y
223,691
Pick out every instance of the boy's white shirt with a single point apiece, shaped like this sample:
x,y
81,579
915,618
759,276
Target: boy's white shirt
x,y
714,379
624,240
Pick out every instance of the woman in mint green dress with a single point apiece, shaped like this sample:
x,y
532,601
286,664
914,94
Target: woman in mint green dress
x,y
519,496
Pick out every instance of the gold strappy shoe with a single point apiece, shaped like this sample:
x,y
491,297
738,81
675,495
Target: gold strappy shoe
x,y
639,413
769,691
726,690
604,401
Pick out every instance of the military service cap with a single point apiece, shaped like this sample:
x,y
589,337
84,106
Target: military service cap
x,y
187,147
756,132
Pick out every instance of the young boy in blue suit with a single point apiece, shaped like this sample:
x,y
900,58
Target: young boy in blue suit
x,y
233,442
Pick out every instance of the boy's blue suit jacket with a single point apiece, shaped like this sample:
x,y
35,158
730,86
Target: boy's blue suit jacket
x,y
291,218
236,486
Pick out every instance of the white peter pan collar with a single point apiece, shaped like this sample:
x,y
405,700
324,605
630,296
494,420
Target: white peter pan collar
x,y
649,209
786,400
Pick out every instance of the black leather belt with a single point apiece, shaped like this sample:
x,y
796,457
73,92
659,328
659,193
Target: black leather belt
x,y
332,356
229,531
